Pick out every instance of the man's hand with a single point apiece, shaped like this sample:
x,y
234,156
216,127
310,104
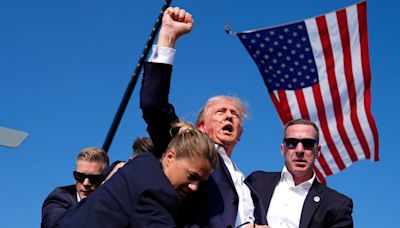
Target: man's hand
x,y
175,23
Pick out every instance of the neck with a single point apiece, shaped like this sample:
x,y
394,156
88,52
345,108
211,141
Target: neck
x,y
301,179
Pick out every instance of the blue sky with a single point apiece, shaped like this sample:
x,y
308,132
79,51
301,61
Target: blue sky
x,y
64,66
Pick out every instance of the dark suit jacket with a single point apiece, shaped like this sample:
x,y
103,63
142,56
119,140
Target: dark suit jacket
x,y
57,203
138,195
216,202
332,210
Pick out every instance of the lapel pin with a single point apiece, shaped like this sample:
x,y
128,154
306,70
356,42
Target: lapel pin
x,y
317,199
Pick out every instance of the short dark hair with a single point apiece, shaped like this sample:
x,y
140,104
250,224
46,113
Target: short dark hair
x,y
303,122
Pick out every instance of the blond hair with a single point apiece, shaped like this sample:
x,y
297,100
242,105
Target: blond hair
x,y
190,143
94,154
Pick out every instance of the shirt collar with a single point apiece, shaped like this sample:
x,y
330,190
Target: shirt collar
x,y
287,177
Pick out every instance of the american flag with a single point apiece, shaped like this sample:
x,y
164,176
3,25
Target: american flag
x,y
319,69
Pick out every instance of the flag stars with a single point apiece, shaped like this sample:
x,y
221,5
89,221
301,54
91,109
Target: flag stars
x,y
303,39
290,41
253,41
271,49
308,77
307,49
283,65
298,45
266,56
281,37
244,36
284,47
300,27
293,52
286,30
258,52
288,58
258,35
312,70
294,80
267,39
294,34
286,76
274,61
272,32
310,61
262,45
302,84
276,43
299,73
282,80
279,54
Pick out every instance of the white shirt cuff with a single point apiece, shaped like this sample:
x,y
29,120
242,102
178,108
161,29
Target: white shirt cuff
x,y
162,55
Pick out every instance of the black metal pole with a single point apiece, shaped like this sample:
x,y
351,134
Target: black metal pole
x,y
132,82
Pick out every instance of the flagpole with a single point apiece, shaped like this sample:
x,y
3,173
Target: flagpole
x,y
132,82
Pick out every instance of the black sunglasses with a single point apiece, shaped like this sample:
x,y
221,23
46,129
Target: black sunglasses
x,y
291,143
93,178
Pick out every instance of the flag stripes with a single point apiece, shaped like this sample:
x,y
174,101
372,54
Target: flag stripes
x,y
338,97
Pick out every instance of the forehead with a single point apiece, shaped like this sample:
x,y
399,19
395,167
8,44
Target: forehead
x,y
300,131
224,103
89,167
198,166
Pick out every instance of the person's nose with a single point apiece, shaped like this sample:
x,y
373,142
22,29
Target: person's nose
x,y
193,186
86,182
228,115
299,149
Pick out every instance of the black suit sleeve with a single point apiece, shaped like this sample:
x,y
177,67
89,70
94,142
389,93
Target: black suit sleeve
x,y
155,208
158,113
343,218
54,207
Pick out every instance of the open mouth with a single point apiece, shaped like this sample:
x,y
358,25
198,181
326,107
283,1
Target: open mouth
x,y
227,128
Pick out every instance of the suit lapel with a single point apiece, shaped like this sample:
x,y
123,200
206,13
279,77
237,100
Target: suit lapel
x,y
311,203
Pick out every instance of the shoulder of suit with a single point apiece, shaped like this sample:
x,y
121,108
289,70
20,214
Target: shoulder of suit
x,y
334,194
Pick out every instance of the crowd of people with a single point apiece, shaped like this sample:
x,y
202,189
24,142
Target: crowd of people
x,y
183,175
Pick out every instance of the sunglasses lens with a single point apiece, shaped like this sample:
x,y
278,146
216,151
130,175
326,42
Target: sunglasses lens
x,y
94,179
308,143
291,143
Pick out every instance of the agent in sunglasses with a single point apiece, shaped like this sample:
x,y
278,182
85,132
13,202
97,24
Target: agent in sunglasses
x,y
146,192
91,163
294,197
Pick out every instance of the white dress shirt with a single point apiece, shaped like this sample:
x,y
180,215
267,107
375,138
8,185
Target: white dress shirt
x,y
246,206
287,201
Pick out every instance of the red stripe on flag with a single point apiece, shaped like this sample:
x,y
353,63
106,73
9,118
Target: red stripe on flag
x,y
336,100
325,128
302,104
362,21
277,106
348,71
319,175
284,104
